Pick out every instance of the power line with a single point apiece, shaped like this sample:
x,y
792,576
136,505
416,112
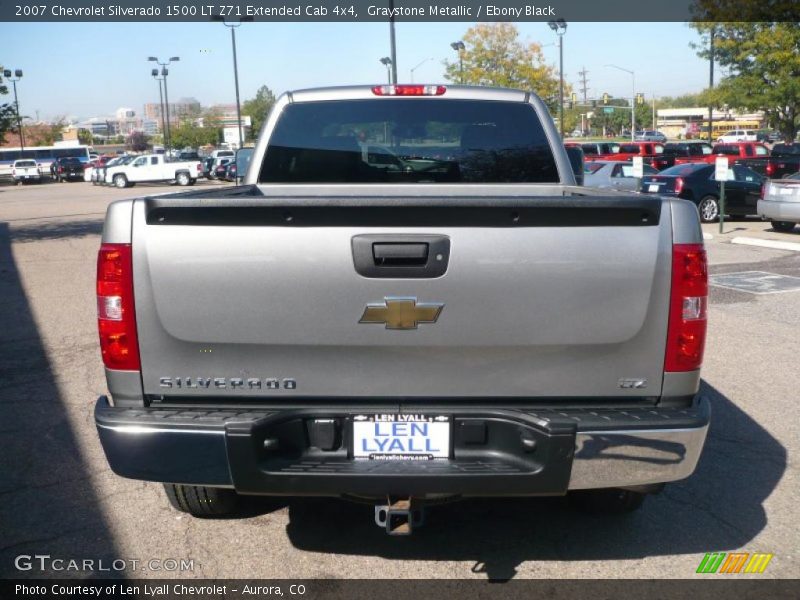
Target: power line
x,y
584,81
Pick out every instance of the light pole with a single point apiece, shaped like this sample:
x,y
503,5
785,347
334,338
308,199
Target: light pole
x,y
154,73
559,26
460,47
633,98
418,66
164,73
392,45
17,77
233,27
387,62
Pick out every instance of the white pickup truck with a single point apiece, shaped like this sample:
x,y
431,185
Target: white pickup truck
x,y
26,170
151,168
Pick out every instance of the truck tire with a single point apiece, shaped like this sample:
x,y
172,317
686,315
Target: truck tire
x,y
607,501
784,226
201,501
183,178
708,208
120,181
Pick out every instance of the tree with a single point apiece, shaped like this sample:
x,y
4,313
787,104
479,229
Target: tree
x,y
763,61
45,135
258,108
187,134
494,56
137,141
85,136
8,114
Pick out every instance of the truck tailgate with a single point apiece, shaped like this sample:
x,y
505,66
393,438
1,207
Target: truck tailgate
x,y
542,298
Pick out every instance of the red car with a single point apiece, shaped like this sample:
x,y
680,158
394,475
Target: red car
x,y
628,150
736,150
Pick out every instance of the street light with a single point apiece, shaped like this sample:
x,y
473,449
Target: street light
x,y
233,27
387,62
559,26
18,76
633,98
418,66
460,47
154,73
164,73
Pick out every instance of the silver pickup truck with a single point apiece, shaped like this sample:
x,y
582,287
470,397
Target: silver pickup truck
x,y
407,300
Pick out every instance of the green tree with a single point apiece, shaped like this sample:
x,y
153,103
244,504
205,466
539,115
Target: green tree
x,y
258,108
187,134
46,135
495,56
763,62
8,114
85,136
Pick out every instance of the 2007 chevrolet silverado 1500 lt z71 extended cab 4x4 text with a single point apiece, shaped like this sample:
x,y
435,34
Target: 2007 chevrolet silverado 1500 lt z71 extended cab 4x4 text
x,y
461,321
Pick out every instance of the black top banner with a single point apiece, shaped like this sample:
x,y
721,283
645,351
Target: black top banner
x,y
400,10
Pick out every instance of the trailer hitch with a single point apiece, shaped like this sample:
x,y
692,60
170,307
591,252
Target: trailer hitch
x,y
400,517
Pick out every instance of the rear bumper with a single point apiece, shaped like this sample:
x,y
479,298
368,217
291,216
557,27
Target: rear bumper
x,y
495,452
779,211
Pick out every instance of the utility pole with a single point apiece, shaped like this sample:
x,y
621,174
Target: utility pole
x,y
392,44
584,82
711,83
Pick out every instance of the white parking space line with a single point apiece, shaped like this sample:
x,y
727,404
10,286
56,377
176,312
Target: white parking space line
x,y
707,236
778,245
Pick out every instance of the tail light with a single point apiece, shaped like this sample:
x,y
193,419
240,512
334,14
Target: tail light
x,y
199,167
686,333
116,319
770,169
13,171
60,169
678,185
763,190
409,90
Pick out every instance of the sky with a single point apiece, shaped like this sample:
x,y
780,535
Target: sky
x,y
91,69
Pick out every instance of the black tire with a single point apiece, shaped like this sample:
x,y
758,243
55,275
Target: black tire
x,y
784,226
183,178
708,207
201,501
120,181
607,501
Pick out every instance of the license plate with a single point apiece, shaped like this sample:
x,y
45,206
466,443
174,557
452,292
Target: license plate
x,y
653,187
401,437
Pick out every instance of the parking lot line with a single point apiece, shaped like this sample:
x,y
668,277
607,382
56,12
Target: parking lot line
x,y
778,245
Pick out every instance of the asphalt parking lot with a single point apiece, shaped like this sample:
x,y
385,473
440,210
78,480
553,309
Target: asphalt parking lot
x,y
59,497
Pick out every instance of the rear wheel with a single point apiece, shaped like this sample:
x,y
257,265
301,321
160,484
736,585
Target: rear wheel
x,y
708,209
607,501
201,501
785,226
120,181
183,178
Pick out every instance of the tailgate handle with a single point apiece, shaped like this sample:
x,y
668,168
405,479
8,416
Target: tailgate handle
x,y
400,254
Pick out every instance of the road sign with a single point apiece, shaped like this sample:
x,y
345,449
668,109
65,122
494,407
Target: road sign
x,y
722,172
638,167
608,109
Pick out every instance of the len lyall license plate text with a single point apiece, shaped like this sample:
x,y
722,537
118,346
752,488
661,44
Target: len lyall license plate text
x,y
401,437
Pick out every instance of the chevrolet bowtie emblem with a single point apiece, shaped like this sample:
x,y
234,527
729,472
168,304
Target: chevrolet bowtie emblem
x,y
401,313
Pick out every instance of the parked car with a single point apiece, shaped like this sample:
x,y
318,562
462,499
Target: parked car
x,y
187,155
219,167
647,150
612,174
697,182
67,169
98,175
408,343
780,203
596,150
783,160
650,135
738,135
26,170
208,165
230,171
152,168
678,153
